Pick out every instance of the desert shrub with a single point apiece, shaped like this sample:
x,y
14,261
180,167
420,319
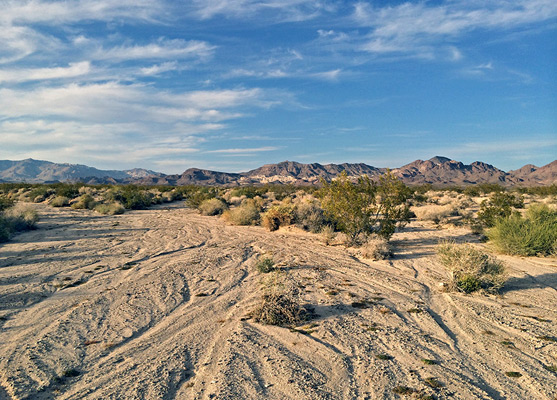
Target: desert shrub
x,y
278,216
5,202
470,269
435,213
500,205
366,206
60,201
212,207
110,209
245,214
531,235
327,234
196,196
38,193
15,219
376,248
310,216
265,265
84,202
69,190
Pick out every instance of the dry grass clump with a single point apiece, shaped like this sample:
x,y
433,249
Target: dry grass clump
x,y
60,201
280,303
277,216
376,248
110,209
470,269
84,202
212,207
310,216
15,219
265,265
246,214
435,213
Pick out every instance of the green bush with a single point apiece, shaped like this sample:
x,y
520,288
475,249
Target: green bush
x,y
212,207
17,219
500,205
470,269
278,216
265,265
366,206
5,202
532,235
196,196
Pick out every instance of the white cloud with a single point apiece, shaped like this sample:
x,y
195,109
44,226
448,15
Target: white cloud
x,y
411,26
159,68
244,151
35,74
163,48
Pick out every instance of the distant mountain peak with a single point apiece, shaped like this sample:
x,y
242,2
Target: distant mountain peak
x,y
439,160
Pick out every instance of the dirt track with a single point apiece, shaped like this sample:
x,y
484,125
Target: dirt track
x,y
153,305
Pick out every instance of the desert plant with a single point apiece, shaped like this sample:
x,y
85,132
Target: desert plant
x,y
196,196
310,216
531,235
245,214
327,234
212,207
265,265
110,209
500,205
60,201
84,202
470,269
17,219
366,206
376,248
5,202
278,216
435,213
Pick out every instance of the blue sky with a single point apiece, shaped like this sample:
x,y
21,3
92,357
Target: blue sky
x,y
234,84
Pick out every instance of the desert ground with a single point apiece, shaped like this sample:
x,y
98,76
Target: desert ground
x,y
155,304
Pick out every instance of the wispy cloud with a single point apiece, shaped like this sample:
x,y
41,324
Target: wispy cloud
x,y
416,27
162,49
244,150
35,74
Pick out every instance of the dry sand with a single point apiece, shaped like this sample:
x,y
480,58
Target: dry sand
x,y
153,305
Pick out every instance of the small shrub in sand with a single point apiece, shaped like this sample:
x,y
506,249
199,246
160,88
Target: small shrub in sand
x,y
279,308
246,214
60,201
84,202
265,265
470,269
212,207
15,219
531,235
328,234
376,248
110,209
278,216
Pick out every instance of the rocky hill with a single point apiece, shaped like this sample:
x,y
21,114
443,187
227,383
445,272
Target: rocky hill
x,y
441,171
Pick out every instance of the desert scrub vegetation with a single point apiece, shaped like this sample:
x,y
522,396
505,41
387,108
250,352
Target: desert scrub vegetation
x,y
110,208
534,234
376,248
470,269
500,205
248,213
279,303
212,206
277,216
16,218
366,206
265,265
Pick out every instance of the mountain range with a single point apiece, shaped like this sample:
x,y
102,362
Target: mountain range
x,y
439,171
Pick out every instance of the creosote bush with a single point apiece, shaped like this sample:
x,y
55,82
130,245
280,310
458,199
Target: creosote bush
x,y
535,234
366,206
212,207
500,205
84,202
60,201
470,269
